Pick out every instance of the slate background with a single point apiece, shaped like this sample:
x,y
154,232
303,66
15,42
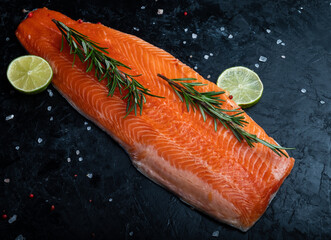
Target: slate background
x,y
140,209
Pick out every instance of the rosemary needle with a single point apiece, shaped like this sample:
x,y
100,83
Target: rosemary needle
x,y
210,103
105,67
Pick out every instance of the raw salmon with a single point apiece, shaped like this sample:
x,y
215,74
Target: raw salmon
x,y
210,170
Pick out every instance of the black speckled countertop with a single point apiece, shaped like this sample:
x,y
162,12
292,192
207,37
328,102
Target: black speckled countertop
x,y
83,183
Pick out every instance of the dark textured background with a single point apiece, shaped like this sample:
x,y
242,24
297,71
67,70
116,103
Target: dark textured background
x,y
139,208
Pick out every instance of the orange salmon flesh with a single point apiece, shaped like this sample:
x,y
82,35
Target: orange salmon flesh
x,y
209,170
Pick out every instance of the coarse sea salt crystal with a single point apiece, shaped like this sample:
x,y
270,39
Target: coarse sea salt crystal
x,y
206,57
17,148
216,234
131,234
10,117
80,159
50,93
283,44
268,30
68,159
7,39
49,108
322,102
195,67
263,59
142,7
77,152
257,65
279,41
110,200
185,29
211,54
40,140
85,123
136,29
184,42
208,76
283,56
160,11
20,237
303,90
51,119
89,175
230,36
222,29
88,128
6,180
12,219
194,35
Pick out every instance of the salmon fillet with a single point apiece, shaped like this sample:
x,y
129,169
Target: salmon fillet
x,y
209,170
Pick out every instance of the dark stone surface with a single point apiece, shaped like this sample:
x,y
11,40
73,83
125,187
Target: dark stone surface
x,y
139,208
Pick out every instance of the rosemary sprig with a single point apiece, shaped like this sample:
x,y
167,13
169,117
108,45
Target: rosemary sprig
x,y
210,103
105,67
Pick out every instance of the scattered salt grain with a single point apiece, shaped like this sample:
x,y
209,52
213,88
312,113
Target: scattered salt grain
x,y
10,117
131,234
322,102
142,7
206,57
6,180
20,237
268,30
194,36
230,36
85,123
68,159
279,41
301,8
216,234
160,11
88,128
40,140
222,29
283,56
303,90
80,159
49,108
257,65
283,44
17,148
208,76
211,54
77,152
50,93
185,29
191,56
110,200
195,67
12,219
7,39
263,59
89,175
153,23
51,119
184,42
299,11
136,29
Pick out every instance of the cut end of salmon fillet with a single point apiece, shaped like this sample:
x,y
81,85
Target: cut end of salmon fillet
x,y
209,170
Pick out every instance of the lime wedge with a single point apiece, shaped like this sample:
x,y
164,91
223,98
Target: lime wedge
x,y
29,74
243,84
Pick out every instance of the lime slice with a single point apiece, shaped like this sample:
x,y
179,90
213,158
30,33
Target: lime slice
x,y
29,74
243,84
